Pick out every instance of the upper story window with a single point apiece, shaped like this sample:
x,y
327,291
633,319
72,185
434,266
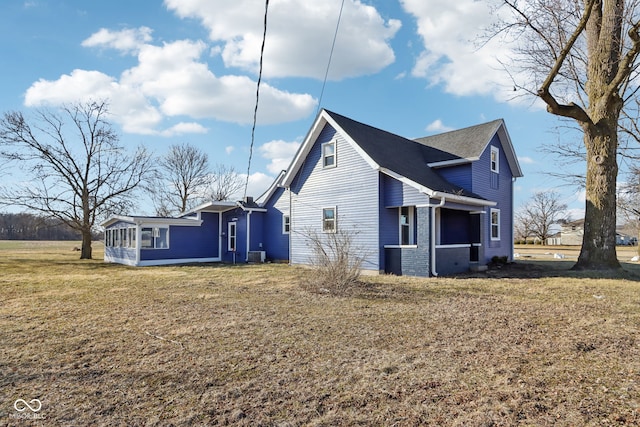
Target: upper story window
x,y
329,220
286,224
329,154
495,159
495,224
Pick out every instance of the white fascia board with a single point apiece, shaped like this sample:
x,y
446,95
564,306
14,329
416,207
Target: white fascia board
x,y
188,222
454,162
311,138
466,200
264,197
305,148
514,164
117,218
221,206
421,188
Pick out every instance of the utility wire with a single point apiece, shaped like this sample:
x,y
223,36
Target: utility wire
x,y
255,111
333,44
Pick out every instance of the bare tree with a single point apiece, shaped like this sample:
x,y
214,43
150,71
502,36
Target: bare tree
x,y
223,183
539,214
580,58
77,173
184,170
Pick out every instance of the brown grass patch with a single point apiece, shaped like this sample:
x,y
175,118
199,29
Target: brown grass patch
x,y
246,345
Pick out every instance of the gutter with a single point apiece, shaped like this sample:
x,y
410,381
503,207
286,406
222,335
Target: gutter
x,y
433,234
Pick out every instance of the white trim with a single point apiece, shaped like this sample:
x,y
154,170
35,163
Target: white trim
x,y
156,262
454,162
400,246
495,150
235,236
458,245
324,156
495,239
284,223
335,219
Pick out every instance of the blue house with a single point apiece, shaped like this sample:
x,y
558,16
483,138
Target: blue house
x,y
212,232
436,205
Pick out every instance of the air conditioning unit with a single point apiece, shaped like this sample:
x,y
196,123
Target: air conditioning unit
x,y
257,256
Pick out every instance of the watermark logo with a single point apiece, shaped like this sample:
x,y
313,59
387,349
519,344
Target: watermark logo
x,y
28,410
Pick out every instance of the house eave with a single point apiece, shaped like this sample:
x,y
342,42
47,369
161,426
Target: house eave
x,y
144,220
455,162
466,200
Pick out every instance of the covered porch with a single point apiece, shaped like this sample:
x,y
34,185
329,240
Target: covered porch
x,y
446,240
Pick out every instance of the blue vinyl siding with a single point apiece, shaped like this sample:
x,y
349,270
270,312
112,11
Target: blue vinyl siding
x,y
351,187
459,175
502,195
276,244
397,193
189,242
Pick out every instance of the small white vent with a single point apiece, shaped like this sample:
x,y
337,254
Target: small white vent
x,y
257,256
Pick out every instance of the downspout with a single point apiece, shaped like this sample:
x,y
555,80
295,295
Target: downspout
x,y
248,234
433,234
290,222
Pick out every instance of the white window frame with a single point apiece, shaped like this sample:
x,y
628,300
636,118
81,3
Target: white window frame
x,y
232,225
333,220
409,225
325,155
495,165
286,224
155,236
495,225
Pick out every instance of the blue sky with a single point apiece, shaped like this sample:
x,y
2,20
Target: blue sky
x,y
179,71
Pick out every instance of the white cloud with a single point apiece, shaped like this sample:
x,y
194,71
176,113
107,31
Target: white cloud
x,y
229,149
438,126
258,183
171,81
279,153
299,35
452,56
184,128
526,160
127,40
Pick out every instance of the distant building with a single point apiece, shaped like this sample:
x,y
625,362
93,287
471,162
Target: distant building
x,y
572,233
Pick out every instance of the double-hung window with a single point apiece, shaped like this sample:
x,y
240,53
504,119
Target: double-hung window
x,y
286,224
495,159
329,154
329,220
495,224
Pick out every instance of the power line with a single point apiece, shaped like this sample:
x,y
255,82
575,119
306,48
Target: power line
x,y
255,111
333,44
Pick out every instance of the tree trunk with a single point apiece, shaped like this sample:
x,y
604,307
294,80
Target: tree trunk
x,y
599,242
85,252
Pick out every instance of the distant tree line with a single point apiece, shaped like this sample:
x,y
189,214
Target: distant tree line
x,y
24,226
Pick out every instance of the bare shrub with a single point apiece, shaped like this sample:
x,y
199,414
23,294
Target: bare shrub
x,y
336,261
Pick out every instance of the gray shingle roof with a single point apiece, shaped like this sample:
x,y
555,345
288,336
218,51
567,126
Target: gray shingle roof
x,y
467,143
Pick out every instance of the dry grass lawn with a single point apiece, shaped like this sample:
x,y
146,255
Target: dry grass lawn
x,y
103,344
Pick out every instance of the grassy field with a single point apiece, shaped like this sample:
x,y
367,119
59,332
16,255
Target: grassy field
x,y
102,344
